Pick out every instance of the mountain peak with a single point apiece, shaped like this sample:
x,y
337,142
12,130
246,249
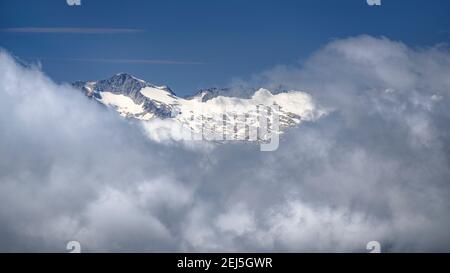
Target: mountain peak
x,y
210,93
135,98
125,76
123,83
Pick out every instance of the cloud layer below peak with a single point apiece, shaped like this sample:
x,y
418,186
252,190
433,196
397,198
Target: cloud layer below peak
x,y
375,168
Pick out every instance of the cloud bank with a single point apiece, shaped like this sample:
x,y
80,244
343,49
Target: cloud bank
x,y
375,168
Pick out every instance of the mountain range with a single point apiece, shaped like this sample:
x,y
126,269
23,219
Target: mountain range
x,y
216,111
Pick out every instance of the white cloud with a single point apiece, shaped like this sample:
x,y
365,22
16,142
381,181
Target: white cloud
x,y
375,168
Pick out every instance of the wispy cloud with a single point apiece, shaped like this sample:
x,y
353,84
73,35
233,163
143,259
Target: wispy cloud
x,y
123,61
135,61
71,30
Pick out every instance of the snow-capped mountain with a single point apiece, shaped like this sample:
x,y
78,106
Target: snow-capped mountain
x,y
212,111
129,96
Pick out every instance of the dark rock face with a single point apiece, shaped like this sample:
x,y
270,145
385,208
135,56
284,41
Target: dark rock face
x,y
127,85
210,93
235,92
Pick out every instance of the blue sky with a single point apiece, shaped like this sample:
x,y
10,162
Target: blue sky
x,y
201,43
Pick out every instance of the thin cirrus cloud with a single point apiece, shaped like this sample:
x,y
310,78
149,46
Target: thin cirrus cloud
x,y
123,61
71,30
134,61
77,30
